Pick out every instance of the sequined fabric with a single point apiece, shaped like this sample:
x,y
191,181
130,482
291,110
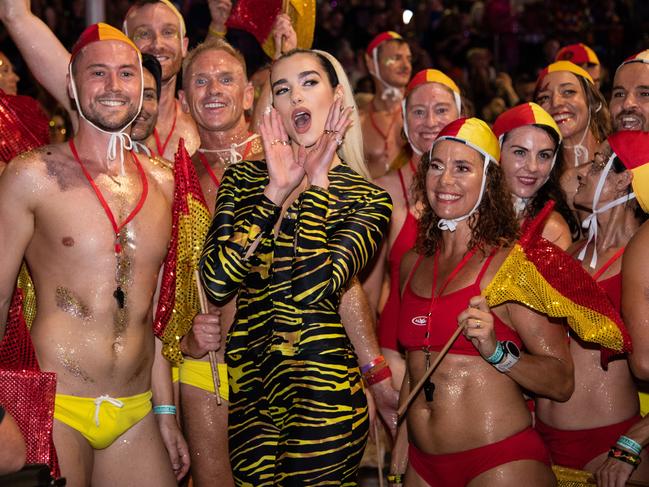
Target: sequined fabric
x,y
178,302
25,391
23,125
568,477
543,277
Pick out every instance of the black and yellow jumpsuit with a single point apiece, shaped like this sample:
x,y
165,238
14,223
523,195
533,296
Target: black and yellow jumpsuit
x,y
298,414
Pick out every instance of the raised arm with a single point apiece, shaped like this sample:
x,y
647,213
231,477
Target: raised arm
x,y
324,263
44,54
241,233
635,300
17,185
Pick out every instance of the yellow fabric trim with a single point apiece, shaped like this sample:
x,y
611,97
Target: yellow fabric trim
x,y
640,185
302,13
198,373
79,413
518,280
644,403
544,118
175,374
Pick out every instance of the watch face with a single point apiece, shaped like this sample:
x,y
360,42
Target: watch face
x,y
512,349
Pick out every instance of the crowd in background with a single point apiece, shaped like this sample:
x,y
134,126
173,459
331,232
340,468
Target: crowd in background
x,y
493,49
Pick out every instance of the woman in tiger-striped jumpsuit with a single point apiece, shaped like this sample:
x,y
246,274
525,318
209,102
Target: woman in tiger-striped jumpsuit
x,y
288,235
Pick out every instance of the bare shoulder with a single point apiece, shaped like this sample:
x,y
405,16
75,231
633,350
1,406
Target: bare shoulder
x,y
556,230
635,253
161,171
362,101
41,168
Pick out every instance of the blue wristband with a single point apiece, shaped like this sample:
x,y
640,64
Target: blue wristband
x,y
629,444
164,409
498,354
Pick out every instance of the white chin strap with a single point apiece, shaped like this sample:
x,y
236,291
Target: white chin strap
x,y
235,155
117,137
591,221
520,204
451,225
389,91
458,103
580,151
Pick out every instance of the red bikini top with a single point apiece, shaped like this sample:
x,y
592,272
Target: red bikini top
x,y
413,318
612,285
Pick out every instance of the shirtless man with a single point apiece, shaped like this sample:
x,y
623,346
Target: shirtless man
x,y
216,93
629,103
156,27
144,125
94,236
388,61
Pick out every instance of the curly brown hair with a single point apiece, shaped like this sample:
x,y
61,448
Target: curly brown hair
x,y
494,224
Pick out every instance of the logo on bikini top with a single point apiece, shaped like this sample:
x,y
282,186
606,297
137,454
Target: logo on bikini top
x,y
420,320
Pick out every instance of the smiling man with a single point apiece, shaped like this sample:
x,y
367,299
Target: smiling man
x,y
388,60
94,236
155,26
629,103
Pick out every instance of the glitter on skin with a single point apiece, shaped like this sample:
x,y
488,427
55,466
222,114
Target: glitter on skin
x,y
66,357
71,304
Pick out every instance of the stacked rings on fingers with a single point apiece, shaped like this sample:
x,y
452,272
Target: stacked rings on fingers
x,y
327,132
278,141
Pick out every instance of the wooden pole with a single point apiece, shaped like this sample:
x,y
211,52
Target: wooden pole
x,y
213,362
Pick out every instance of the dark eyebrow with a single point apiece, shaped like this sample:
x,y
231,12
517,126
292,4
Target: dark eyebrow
x,y
302,75
101,65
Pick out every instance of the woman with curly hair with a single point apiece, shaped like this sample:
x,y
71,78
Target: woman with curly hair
x,y
431,102
568,93
470,424
530,143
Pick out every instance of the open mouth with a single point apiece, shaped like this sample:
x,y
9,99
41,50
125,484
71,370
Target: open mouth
x,y
447,197
112,103
214,105
630,122
301,120
527,181
562,118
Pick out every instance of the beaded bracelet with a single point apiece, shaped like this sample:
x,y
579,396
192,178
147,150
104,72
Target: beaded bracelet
x,y
378,376
623,456
370,365
164,409
395,478
629,444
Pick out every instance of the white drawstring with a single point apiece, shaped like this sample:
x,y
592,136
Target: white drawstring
x,y
235,156
520,204
579,150
102,399
590,222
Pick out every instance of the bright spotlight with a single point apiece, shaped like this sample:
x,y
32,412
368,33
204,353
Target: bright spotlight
x,y
407,16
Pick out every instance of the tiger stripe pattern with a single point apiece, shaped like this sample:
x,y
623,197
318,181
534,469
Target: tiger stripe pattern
x,y
298,414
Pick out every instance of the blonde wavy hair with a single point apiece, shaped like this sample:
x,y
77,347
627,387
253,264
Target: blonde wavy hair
x,y
351,150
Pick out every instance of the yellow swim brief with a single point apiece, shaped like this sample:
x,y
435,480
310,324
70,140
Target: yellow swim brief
x,y
103,419
175,374
644,403
199,374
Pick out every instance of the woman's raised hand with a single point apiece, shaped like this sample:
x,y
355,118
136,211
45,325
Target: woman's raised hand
x,y
283,170
317,160
478,323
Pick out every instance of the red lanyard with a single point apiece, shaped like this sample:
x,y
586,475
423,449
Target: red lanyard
x,y
161,150
206,164
412,166
434,298
608,263
145,189
385,136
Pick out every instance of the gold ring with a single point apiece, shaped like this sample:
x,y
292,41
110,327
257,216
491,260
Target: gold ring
x,y
276,141
285,142
328,131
